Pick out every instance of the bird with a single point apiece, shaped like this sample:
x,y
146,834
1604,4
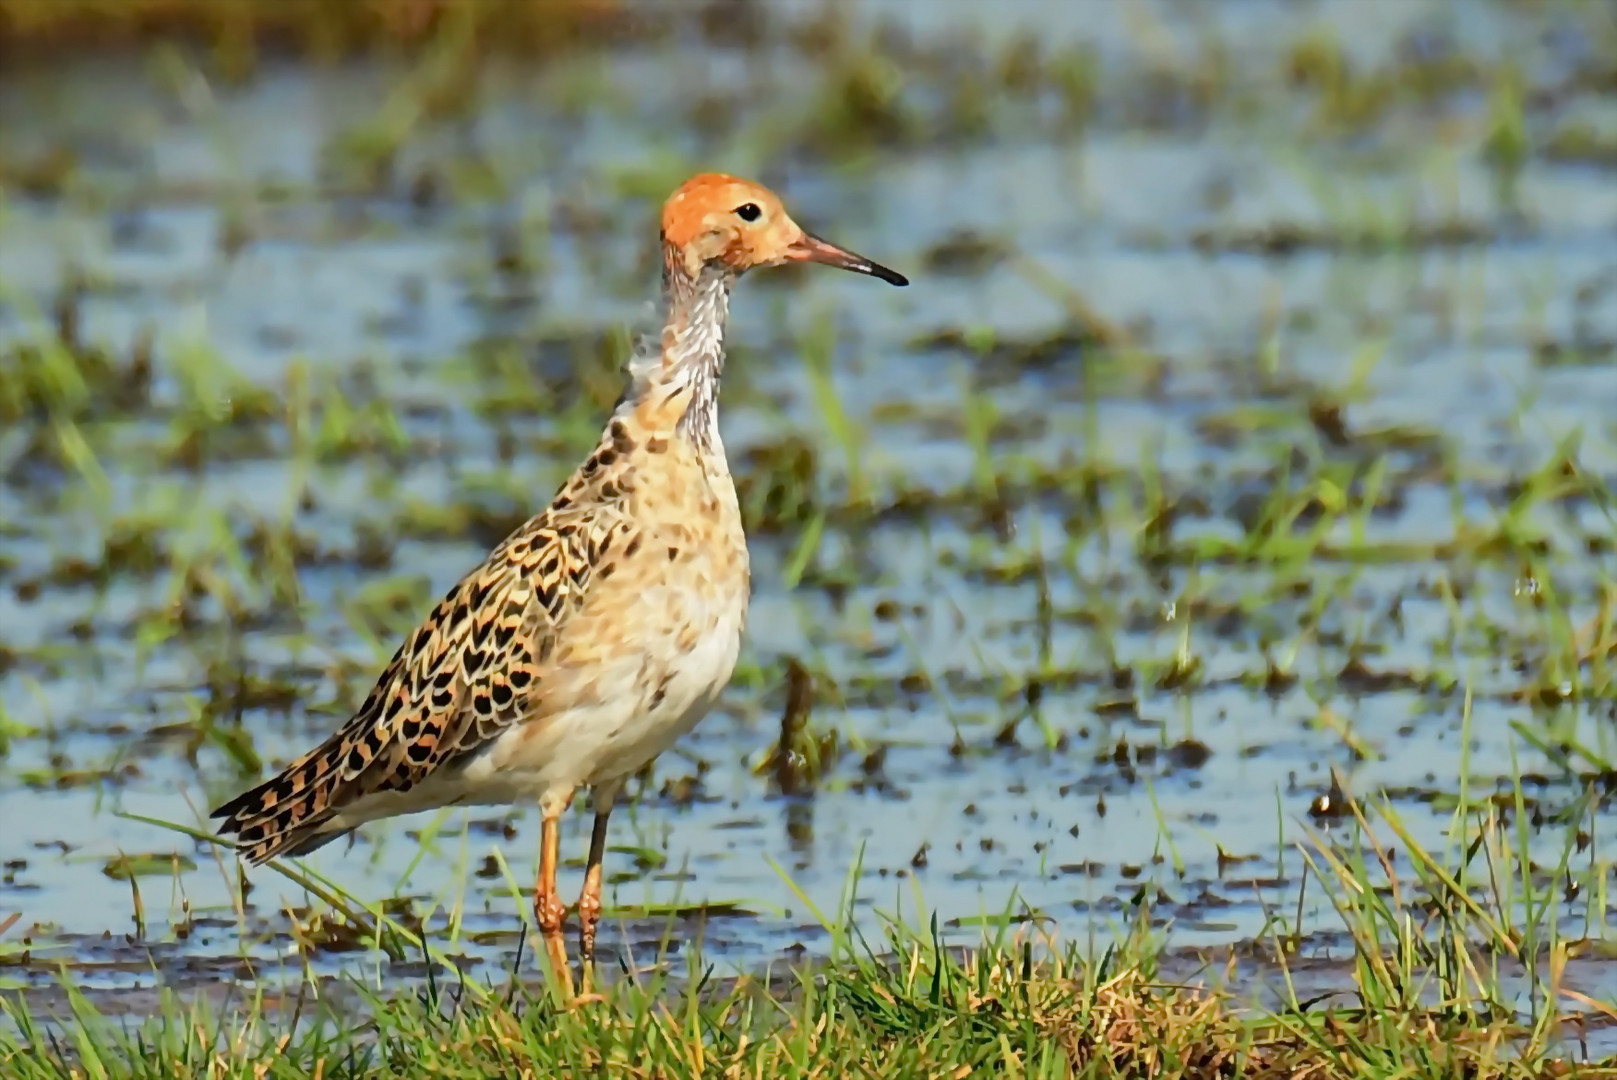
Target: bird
x,y
598,632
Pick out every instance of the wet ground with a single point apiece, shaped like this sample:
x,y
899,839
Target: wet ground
x,y
1251,416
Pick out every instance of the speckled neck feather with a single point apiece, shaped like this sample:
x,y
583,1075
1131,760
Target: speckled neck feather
x,y
691,359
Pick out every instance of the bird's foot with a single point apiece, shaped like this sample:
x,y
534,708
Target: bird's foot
x,y
551,915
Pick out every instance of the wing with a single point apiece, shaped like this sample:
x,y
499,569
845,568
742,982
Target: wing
x,y
474,667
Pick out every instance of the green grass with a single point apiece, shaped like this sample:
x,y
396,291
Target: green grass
x,y
1423,991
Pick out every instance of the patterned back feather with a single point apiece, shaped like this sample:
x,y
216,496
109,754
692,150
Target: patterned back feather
x,y
471,669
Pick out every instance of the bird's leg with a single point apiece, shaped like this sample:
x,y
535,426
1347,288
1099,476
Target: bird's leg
x,y
548,909
589,901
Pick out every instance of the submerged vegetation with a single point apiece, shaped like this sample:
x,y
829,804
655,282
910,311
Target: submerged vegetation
x,y
1190,609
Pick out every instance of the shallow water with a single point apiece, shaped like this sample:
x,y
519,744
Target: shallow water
x,y
461,302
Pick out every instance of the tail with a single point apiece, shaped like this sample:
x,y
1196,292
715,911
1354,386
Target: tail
x,y
412,718
291,813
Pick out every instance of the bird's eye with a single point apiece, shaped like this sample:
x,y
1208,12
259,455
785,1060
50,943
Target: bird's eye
x,y
749,212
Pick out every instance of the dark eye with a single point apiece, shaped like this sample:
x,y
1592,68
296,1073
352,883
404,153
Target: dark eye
x,y
749,212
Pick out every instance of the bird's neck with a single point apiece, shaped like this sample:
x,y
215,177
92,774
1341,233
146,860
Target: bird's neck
x,y
681,386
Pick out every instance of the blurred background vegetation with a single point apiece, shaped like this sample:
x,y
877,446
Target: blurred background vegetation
x,y
236,34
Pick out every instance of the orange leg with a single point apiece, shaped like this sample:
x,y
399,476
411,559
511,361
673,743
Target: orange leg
x,y
548,909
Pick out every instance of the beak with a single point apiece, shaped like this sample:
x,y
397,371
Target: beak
x,y
810,248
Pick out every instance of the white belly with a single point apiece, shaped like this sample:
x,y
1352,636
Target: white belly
x,y
643,708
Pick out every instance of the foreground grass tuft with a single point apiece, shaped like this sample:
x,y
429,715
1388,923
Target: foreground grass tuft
x,y
996,1010
1437,980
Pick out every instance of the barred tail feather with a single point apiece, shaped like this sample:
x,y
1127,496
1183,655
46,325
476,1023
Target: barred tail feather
x,y
275,819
